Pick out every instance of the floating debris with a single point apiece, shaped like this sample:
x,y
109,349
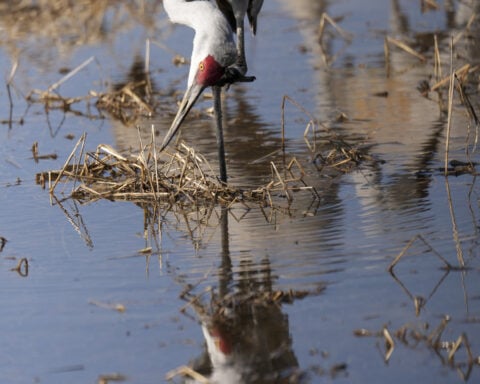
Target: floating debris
x,y
22,267
37,156
115,307
111,377
3,241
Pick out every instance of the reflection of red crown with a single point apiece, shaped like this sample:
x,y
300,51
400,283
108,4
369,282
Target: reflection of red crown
x,y
221,341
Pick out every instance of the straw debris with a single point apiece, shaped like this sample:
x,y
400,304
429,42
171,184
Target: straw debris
x,y
180,177
125,104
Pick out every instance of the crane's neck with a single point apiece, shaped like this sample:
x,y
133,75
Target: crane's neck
x,y
213,34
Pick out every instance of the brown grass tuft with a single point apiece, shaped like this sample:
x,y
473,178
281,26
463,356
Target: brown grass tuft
x,y
183,176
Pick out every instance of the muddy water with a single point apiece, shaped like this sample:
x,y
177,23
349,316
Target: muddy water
x,y
93,304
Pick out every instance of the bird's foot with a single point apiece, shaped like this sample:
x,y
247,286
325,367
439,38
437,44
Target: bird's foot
x,y
235,74
241,65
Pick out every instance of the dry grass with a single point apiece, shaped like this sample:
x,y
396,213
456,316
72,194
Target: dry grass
x,y
126,104
183,176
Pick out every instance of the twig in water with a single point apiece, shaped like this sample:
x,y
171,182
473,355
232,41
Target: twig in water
x,y
147,55
81,142
438,61
456,238
116,307
405,47
390,344
462,339
22,267
312,122
9,93
325,18
407,247
450,107
471,113
69,75
462,71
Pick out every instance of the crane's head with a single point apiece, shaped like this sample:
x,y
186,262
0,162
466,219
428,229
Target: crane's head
x,y
208,73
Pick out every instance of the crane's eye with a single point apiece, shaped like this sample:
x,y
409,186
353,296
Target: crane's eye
x,y
201,66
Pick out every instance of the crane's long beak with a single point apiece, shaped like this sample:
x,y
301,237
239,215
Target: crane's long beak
x,y
189,99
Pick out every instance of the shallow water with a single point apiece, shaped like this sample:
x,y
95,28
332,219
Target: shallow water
x,y
60,324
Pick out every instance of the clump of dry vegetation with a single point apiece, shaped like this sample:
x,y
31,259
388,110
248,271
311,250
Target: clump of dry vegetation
x,y
185,176
181,176
125,104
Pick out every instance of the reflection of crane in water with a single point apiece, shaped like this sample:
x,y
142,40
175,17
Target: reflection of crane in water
x,y
247,335
213,53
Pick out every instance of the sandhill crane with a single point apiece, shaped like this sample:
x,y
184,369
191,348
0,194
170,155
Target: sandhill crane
x,y
214,51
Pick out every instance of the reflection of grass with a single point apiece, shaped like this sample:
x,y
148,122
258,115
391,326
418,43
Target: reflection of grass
x,y
126,104
412,336
65,24
40,33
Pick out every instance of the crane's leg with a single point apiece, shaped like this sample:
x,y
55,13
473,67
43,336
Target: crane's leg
x,y
217,107
241,58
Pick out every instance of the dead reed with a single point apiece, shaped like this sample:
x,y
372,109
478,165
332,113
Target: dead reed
x,y
326,20
125,104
